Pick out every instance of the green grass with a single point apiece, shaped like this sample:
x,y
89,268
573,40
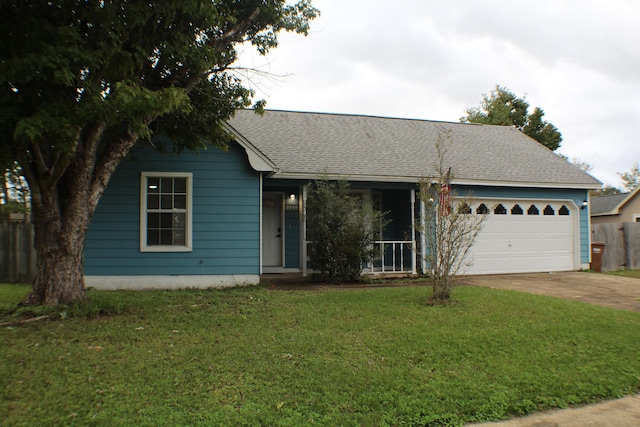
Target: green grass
x,y
257,357
627,273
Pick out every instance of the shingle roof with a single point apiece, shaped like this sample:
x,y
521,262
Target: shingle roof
x,y
611,204
402,150
603,204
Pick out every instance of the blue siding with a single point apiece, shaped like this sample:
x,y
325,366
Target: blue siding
x,y
226,218
577,196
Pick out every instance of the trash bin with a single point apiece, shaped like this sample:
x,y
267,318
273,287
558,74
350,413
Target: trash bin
x,y
597,252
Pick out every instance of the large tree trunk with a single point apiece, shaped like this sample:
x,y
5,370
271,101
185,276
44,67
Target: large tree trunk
x,y
59,242
64,198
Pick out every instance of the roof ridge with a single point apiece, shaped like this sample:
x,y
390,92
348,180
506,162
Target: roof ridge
x,y
373,116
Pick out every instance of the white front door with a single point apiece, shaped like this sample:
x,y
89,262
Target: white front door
x,y
272,229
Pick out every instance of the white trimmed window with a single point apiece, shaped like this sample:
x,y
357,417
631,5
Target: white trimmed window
x,y
165,211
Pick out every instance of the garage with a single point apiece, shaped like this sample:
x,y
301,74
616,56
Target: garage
x,y
525,236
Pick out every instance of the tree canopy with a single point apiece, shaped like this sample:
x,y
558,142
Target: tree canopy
x,y
605,190
631,179
82,82
503,107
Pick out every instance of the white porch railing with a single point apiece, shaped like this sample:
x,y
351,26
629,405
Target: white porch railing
x,y
389,256
393,256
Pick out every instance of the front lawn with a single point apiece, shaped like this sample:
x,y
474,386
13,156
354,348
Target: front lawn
x,y
626,273
258,357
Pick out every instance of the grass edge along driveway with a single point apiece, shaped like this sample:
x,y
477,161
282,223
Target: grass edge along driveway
x,y
370,357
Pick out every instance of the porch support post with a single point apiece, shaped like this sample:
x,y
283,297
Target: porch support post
x,y
260,232
423,237
303,233
413,230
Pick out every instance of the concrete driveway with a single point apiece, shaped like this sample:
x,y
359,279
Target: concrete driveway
x,y
600,289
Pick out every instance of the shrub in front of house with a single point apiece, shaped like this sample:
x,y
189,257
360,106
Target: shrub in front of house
x,y
341,227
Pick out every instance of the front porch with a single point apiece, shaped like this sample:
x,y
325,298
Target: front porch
x,y
286,250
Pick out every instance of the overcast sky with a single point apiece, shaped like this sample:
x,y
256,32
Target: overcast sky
x,y
578,60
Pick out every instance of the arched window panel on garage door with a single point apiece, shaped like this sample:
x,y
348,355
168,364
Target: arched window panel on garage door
x,y
533,210
548,210
464,208
482,209
500,210
516,210
563,210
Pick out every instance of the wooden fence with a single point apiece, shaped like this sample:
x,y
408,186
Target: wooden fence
x,y
17,254
622,245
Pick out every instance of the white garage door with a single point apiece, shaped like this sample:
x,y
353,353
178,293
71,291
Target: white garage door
x,y
524,236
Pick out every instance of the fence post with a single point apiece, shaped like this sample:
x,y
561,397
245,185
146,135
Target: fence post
x,y
17,252
4,252
632,244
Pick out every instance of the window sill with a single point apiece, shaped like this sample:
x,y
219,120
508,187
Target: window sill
x,y
166,249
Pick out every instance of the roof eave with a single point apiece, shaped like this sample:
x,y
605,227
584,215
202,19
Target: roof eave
x,y
413,179
258,161
528,184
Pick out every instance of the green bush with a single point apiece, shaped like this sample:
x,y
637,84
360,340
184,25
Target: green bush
x,y
341,226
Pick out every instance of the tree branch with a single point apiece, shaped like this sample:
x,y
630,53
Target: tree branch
x,y
114,153
235,33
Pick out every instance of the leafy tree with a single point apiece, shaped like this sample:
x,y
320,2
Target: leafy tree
x,y
450,226
605,190
82,82
585,166
631,179
504,108
342,229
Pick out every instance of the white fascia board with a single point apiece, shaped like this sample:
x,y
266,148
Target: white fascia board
x,y
258,161
572,186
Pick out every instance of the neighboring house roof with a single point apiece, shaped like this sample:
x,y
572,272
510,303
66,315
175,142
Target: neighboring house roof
x,y
611,204
367,148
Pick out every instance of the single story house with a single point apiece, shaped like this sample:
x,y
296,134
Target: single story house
x,y
223,218
616,208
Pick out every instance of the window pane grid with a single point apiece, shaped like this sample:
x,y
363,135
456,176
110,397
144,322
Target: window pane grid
x,y
166,211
